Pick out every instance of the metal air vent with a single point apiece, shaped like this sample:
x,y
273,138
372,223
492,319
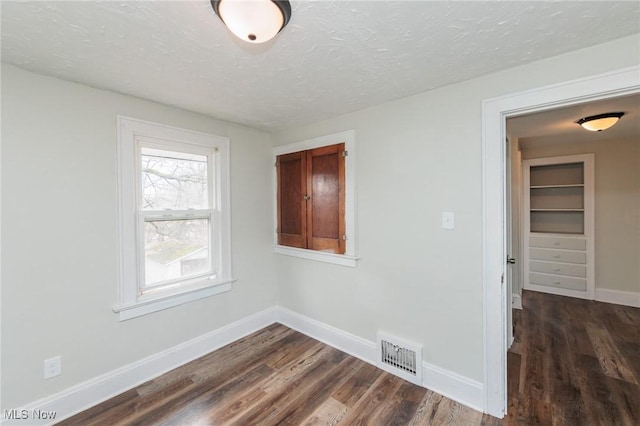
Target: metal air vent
x,y
400,358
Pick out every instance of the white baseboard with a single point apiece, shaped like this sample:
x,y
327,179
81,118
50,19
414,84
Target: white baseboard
x,y
627,298
87,394
447,383
516,302
454,386
346,342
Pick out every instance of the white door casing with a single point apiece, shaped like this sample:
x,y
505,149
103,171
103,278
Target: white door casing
x,y
494,113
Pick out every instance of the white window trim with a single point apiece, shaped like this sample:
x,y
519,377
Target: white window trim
x,y
130,303
349,258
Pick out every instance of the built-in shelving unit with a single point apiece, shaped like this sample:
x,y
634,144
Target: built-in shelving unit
x,y
558,225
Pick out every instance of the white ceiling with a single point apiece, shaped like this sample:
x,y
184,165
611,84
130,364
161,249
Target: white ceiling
x,y
334,57
559,125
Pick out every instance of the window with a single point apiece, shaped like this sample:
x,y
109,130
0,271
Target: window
x,y
315,199
174,235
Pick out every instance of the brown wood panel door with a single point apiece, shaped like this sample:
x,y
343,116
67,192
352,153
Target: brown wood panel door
x,y
292,206
325,207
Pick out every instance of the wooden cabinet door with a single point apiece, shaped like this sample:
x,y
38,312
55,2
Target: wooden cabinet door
x,y
292,206
325,206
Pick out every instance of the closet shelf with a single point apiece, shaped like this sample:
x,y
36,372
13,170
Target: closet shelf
x,y
557,210
558,225
573,185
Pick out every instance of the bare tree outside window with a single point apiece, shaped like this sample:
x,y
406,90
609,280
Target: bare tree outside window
x,y
175,183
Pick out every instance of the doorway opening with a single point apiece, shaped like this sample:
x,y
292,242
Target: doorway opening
x,y
495,113
554,213
556,216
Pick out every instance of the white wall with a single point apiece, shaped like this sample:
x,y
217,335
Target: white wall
x,y
59,235
417,157
617,207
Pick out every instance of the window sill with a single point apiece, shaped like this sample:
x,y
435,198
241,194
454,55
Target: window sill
x,y
157,304
319,256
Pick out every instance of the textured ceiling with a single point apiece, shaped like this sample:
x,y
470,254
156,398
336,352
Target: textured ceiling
x,y
334,57
559,125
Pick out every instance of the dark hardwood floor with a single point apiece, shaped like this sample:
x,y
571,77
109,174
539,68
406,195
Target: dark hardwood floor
x,y
574,362
278,376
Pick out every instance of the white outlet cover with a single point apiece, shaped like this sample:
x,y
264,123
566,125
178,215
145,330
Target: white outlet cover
x,y
52,367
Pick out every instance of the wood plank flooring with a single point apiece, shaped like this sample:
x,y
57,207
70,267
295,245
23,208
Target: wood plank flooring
x,y
278,376
573,362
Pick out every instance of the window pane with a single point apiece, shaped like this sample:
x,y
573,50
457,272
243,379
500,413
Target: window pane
x,y
176,249
173,180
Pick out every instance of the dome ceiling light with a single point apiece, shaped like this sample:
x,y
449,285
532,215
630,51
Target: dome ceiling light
x,y
254,21
600,122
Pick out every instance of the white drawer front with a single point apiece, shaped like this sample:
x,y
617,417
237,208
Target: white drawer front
x,y
568,269
558,255
558,281
558,242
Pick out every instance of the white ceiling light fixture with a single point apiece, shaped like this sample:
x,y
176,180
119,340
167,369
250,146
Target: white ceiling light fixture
x,y
600,122
254,21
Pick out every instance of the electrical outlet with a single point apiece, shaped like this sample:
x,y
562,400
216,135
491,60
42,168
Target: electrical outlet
x,y
52,367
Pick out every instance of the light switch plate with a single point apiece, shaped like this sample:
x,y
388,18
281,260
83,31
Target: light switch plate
x,y
448,220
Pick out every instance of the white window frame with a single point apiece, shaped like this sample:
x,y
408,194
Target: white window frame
x,y
349,258
134,298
